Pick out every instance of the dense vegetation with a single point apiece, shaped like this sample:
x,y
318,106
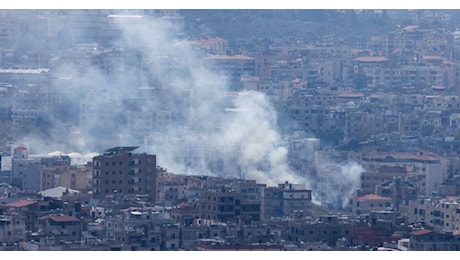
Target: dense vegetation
x,y
306,24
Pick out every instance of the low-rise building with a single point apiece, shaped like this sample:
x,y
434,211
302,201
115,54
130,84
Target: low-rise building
x,y
363,205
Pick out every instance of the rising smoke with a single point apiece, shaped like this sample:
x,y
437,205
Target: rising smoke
x,y
159,95
335,182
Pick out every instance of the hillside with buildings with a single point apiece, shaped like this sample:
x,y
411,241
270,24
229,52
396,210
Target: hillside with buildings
x,y
283,130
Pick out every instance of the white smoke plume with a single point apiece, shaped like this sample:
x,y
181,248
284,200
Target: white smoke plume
x,y
159,95
336,182
250,135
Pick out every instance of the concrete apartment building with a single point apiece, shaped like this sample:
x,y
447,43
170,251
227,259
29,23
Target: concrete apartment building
x,y
141,227
211,45
370,179
225,204
26,172
185,213
362,205
233,66
52,168
12,228
121,170
423,75
398,189
328,229
430,169
37,173
77,178
25,211
276,90
430,240
7,91
60,228
30,104
440,213
285,200
296,198
51,176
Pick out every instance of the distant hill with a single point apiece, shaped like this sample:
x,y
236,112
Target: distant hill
x,y
307,24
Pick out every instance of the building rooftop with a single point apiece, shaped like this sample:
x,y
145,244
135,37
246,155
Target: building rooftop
x,y
421,232
417,157
120,149
63,218
371,197
371,59
57,192
21,203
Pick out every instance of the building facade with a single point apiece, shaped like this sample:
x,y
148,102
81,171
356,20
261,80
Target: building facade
x,y
120,170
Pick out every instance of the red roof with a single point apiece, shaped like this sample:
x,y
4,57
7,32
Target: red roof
x,y
448,62
438,87
21,203
371,59
410,27
452,198
421,232
371,197
64,218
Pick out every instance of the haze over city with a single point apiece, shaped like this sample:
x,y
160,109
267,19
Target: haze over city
x,y
265,122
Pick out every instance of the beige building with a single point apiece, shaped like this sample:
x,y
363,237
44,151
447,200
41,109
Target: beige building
x,y
362,205
77,178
